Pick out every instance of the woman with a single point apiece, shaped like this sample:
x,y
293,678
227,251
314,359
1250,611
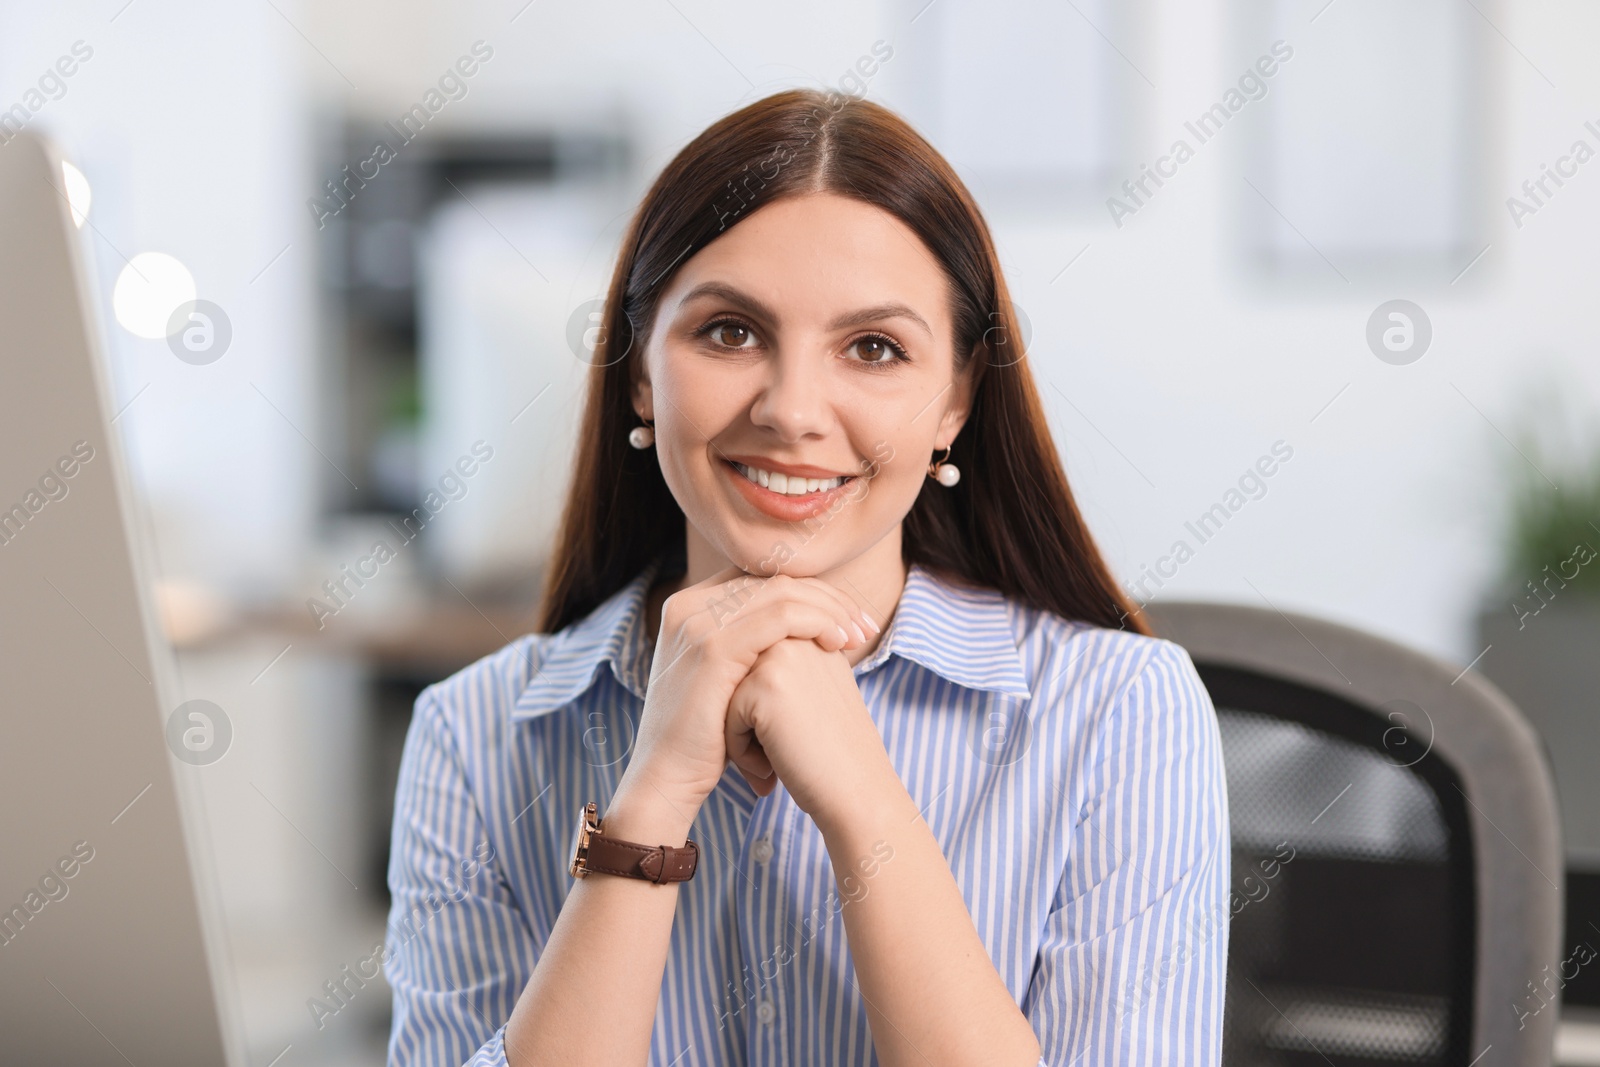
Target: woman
x,y
949,801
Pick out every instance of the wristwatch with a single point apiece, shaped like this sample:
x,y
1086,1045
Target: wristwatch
x,y
593,851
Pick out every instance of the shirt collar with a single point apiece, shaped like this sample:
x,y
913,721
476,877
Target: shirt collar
x,y
961,633
611,634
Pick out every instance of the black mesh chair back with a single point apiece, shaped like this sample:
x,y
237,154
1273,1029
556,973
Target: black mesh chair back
x,y
1396,849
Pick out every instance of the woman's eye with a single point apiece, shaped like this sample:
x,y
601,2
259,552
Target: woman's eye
x,y
730,334
877,350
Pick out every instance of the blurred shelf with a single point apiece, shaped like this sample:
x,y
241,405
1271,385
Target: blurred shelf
x,y
431,635
1578,1038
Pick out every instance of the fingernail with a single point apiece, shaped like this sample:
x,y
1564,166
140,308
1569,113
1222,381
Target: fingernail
x,y
872,623
860,633
842,635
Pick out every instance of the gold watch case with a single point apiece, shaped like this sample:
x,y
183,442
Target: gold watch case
x,y
588,823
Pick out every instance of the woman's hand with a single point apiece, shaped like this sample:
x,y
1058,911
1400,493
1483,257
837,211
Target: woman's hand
x,y
712,634
798,717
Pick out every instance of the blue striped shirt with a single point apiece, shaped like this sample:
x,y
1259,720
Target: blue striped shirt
x,y
1072,775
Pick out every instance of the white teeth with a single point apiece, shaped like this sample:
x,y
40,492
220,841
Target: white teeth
x,y
783,483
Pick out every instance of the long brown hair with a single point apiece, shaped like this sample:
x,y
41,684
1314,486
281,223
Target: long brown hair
x,y
1009,524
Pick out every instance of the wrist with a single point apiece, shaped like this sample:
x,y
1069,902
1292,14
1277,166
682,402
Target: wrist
x,y
640,811
866,813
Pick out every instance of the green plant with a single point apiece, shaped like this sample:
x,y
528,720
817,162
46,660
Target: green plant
x,y
1552,521
403,402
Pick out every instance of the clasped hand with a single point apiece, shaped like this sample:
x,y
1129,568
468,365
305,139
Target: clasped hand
x,y
753,669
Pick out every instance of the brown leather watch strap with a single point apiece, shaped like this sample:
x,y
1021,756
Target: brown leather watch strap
x,y
655,863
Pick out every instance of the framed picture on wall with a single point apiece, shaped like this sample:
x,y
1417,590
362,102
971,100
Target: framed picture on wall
x,y
1035,120
1366,161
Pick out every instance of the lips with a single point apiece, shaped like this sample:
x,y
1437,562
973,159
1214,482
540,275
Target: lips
x,y
777,498
788,484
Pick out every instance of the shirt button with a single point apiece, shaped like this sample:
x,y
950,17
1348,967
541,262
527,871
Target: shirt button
x,y
765,1011
761,852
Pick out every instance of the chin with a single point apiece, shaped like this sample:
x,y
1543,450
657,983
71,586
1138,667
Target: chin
x,y
780,552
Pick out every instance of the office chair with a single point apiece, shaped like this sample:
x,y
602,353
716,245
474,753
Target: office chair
x,y
1397,853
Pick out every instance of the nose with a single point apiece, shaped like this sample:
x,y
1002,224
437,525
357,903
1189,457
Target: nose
x,y
793,402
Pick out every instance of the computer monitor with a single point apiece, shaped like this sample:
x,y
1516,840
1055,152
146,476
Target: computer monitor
x,y
110,935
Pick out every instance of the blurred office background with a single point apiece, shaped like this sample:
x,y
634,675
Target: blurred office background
x,y
1338,156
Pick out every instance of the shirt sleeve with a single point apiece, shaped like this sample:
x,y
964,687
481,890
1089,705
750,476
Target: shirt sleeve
x,y
458,950
1132,965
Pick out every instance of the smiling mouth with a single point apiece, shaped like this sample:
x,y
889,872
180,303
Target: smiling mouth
x,y
786,485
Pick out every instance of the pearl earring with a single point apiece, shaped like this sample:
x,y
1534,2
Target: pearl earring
x,y
946,474
642,436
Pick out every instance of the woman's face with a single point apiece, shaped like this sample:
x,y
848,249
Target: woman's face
x,y
810,343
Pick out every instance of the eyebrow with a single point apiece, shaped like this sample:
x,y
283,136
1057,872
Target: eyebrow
x,y
845,321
